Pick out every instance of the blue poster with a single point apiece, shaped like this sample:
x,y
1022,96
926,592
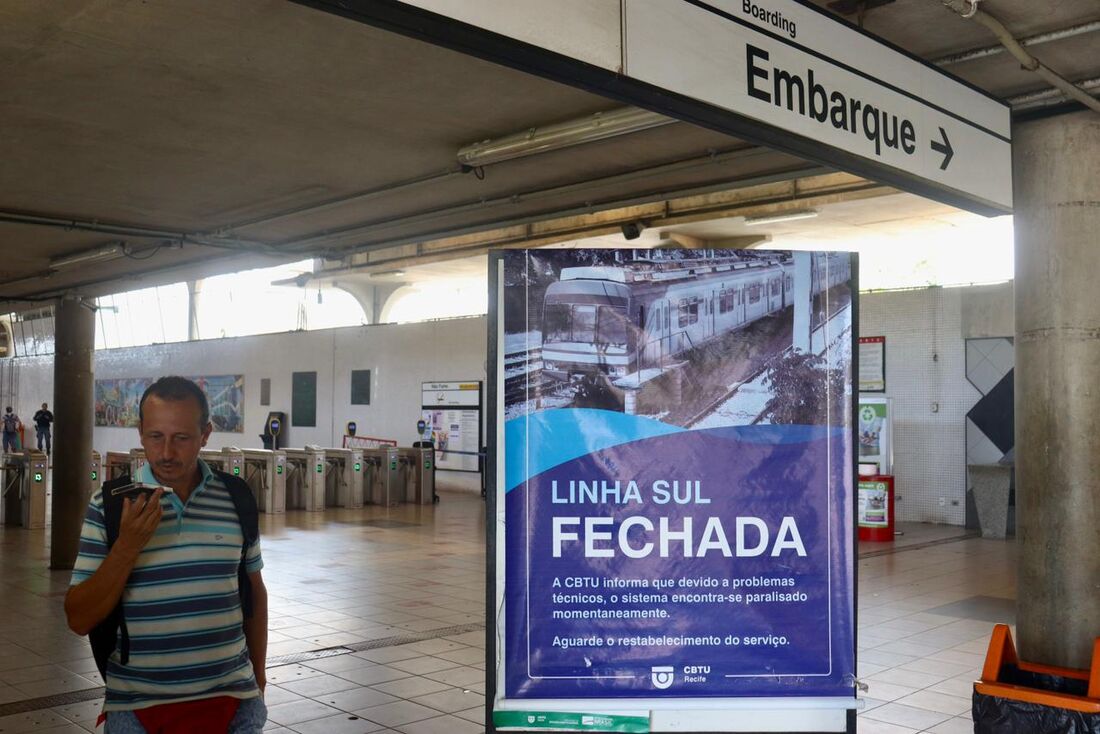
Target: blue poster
x,y
678,489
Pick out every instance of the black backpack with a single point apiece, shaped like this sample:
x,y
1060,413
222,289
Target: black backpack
x,y
104,637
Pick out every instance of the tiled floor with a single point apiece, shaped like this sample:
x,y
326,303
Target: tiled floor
x,y
400,594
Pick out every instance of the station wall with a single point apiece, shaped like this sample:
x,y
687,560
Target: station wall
x,y
399,356
926,378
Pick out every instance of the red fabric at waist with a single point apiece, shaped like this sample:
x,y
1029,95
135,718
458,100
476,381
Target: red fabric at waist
x,y
208,715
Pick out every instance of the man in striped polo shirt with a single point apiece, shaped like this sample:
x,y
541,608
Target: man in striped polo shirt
x,y
195,663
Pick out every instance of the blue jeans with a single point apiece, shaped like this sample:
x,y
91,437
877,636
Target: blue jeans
x,y
250,719
44,437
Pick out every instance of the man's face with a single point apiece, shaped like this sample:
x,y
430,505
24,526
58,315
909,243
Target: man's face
x,y
172,437
43,406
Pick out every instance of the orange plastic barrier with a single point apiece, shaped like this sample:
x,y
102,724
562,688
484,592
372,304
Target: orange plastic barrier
x,y
1002,653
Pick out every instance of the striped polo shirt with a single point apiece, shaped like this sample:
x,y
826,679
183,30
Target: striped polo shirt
x,y
182,605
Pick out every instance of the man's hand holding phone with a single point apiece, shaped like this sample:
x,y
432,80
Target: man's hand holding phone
x,y
141,515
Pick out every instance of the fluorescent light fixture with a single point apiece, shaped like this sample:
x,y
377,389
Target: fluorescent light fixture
x,y
790,216
599,126
107,252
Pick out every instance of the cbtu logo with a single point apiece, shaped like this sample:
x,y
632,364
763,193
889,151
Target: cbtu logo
x,y
662,676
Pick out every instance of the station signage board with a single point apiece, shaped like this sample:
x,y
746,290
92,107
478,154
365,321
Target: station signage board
x,y
788,65
450,416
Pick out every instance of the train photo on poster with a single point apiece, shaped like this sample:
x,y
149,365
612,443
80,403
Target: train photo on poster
x,y
620,319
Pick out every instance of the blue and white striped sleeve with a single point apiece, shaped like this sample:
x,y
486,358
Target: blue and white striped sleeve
x,y
93,542
253,561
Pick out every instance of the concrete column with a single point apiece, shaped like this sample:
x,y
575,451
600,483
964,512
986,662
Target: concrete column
x,y
1057,218
194,290
74,415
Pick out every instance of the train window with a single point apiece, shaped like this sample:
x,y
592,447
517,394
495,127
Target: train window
x,y
612,325
556,323
789,282
689,311
727,299
754,292
584,323
775,287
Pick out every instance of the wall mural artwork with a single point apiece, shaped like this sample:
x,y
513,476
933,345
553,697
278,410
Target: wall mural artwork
x,y
117,400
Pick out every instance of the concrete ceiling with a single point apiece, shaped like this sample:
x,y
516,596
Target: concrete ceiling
x,y
208,137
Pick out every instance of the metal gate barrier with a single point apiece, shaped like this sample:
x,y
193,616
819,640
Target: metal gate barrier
x,y
305,480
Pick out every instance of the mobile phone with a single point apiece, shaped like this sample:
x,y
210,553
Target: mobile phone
x,y
138,488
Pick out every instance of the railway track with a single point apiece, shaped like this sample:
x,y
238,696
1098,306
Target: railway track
x,y
523,375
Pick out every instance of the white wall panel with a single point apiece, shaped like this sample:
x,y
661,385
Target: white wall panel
x,y
926,377
400,357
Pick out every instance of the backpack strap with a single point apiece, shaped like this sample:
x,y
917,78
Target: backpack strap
x,y
104,637
248,515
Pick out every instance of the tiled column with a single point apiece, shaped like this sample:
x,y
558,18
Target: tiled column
x,y
1057,224
74,411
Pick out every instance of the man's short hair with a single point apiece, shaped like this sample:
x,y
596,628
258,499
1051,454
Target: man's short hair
x,y
177,388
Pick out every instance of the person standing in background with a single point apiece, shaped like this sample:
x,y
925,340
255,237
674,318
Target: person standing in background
x,y
43,419
11,430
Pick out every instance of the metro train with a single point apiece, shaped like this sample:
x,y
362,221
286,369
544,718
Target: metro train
x,y
617,320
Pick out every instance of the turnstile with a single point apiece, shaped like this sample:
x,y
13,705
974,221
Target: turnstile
x,y
137,460
25,476
229,460
123,463
419,474
344,482
97,473
265,472
305,478
386,487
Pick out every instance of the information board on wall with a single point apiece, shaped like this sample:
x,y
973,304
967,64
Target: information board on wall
x,y
452,414
667,538
872,364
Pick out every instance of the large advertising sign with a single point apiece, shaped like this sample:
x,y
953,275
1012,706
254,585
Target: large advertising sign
x,y
677,486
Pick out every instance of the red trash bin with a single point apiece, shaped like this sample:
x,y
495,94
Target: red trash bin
x,y
876,508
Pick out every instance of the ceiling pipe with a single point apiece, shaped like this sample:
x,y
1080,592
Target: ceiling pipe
x,y
1056,35
969,9
1045,97
128,230
356,197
